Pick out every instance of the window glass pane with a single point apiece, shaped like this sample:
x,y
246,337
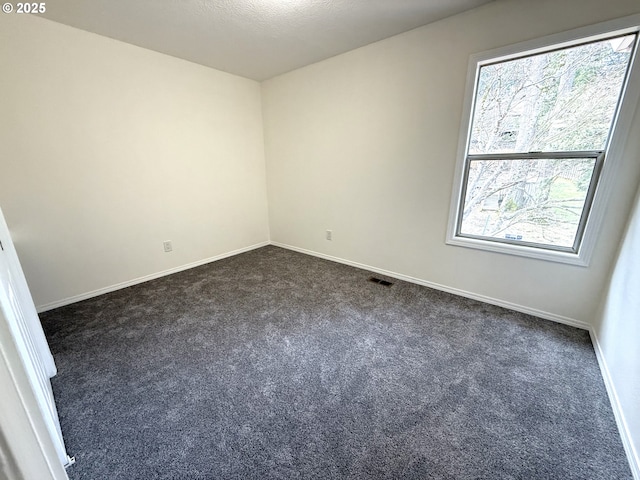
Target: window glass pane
x,y
563,100
536,201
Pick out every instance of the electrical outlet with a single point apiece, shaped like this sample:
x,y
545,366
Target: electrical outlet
x,y
329,235
167,246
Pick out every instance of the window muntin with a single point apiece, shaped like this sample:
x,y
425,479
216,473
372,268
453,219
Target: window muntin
x,y
540,125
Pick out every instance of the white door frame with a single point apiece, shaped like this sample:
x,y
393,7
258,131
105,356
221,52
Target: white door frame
x,y
21,321
26,449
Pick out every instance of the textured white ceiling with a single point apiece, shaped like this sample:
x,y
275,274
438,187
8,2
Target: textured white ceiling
x,y
257,39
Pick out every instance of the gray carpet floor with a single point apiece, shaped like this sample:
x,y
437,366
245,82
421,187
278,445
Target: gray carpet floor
x,y
277,365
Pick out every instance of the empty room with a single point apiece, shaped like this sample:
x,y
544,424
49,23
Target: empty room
x,y
298,239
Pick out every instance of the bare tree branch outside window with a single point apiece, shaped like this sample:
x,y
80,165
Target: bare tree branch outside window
x,y
560,101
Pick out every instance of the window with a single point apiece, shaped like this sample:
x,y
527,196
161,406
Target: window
x,y
540,127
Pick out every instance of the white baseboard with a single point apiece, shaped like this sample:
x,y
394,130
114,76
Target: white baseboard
x,y
463,293
625,435
146,278
632,454
618,413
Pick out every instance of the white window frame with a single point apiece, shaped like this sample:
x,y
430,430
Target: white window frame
x,y
613,154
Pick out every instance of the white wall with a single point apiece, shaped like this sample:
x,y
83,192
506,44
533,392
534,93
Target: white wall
x,y
365,144
107,149
617,330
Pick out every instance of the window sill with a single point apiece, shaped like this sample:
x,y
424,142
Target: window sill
x,y
520,250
